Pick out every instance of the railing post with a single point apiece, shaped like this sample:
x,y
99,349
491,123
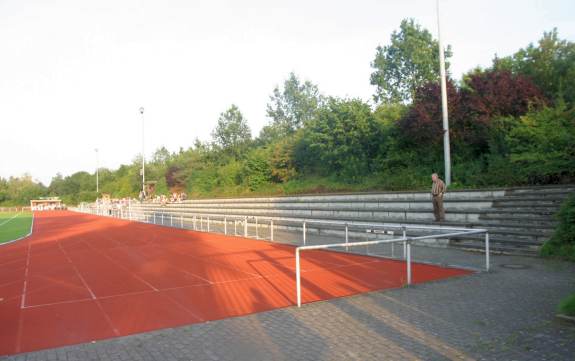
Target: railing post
x,y
201,223
246,227
154,214
304,232
208,223
404,232
225,225
297,277
194,222
346,236
182,221
171,220
408,263
272,230
257,231
487,263
235,227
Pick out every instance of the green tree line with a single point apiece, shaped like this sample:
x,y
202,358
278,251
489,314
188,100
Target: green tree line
x,y
512,123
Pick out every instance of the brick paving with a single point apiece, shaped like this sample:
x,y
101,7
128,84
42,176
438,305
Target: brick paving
x,y
506,314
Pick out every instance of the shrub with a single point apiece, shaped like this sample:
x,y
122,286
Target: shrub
x,y
342,140
542,145
562,243
567,306
257,171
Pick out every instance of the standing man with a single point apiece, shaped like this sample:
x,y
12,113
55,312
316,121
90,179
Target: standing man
x,y
437,191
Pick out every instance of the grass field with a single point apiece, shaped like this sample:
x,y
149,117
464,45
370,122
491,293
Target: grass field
x,y
14,225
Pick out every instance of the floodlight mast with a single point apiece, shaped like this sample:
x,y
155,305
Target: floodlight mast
x,y
143,154
446,144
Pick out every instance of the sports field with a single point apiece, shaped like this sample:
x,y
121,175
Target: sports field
x,y
14,225
80,278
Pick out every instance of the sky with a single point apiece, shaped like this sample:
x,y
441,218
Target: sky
x,y
73,74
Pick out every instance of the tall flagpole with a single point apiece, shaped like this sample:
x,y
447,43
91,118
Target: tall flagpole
x,y
446,146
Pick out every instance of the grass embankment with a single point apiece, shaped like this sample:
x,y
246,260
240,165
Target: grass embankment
x,y
14,225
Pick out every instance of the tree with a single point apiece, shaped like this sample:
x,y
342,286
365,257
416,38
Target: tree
x,y
343,139
422,127
411,60
20,190
175,178
487,95
232,134
292,107
282,159
550,64
161,156
541,145
257,170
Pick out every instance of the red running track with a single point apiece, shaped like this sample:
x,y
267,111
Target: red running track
x,y
80,278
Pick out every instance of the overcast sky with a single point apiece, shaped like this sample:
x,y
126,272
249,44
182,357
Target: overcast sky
x,y
74,73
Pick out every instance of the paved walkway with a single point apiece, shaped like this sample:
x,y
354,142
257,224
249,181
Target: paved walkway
x,y
507,314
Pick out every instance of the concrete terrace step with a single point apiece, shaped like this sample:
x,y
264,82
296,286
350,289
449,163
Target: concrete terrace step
x,y
534,235
336,206
499,248
383,207
547,221
555,202
356,197
461,215
530,228
518,219
541,191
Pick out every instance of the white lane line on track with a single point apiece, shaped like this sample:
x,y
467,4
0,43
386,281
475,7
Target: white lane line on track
x,y
92,295
172,266
24,288
122,267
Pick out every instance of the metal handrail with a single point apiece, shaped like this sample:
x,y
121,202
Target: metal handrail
x,y
407,251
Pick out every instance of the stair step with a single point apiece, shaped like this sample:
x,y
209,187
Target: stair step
x,y
519,219
497,248
508,219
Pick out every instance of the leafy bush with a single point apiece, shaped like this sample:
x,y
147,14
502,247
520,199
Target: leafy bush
x,y
567,306
562,243
542,145
343,139
282,162
257,170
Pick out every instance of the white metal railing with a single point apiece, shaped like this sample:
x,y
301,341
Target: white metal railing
x,y
407,250
200,222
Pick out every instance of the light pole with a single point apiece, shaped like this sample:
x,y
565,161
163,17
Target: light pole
x,y
97,172
143,154
446,146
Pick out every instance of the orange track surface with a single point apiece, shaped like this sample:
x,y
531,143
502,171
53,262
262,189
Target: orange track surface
x,y
80,278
